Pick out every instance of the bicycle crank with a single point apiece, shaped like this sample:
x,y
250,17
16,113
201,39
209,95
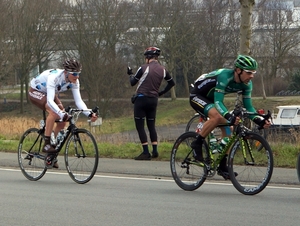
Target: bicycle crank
x,y
50,160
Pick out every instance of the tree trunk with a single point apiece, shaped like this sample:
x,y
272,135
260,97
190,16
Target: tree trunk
x,y
245,27
263,86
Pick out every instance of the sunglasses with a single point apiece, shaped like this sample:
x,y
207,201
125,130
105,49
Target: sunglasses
x,y
74,73
250,72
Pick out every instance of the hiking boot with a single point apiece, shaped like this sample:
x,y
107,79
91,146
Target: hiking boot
x,y
154,155
143,156
197,153
49,149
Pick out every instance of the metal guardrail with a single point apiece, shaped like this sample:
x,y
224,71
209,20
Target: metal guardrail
x,y
288,93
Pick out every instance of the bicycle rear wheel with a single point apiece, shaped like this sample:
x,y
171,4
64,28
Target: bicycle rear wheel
x,y
195,124
30,160
188,174
251,157
81,156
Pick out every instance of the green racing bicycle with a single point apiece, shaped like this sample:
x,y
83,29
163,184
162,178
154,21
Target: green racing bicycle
x,y
250,158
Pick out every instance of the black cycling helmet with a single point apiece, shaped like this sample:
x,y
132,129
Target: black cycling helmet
x,y
72,65
151,52
245,63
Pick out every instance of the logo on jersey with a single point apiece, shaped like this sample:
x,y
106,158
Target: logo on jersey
x,y
36,95
200,102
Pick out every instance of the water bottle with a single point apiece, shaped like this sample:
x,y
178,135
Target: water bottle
x,y
52,139
223,143
60,136
214,146
199,127
42,124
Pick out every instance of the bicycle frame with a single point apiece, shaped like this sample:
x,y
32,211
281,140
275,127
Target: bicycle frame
x,y
238,133
70,129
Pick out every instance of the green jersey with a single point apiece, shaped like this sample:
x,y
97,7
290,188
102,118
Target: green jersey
x,y
216,84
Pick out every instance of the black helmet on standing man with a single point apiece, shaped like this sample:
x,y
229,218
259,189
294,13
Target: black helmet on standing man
x,y
152,52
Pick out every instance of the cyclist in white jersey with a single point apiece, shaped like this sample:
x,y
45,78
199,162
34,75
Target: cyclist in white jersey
x,y
44,94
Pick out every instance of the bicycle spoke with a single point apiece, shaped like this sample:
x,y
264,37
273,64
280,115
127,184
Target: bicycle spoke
x,y
81,156
187,173
252,159
30,160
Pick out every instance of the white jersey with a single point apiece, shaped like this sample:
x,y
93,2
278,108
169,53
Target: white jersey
x,y
52,82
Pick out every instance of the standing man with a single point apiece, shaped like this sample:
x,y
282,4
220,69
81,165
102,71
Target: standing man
x,y
149,78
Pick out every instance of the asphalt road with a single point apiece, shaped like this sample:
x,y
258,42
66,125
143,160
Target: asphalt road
x,y
115,200
150,169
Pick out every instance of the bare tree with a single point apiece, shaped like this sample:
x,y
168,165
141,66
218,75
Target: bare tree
x,y
277,40
218,33
179,53
5,44
32,36
94,30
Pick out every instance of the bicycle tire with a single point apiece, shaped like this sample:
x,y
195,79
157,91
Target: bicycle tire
x,y
31,162
298,167
192,123
262,132
188,176
255,168
81,156
193,126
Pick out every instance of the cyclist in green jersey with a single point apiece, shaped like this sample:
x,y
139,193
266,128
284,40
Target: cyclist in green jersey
x,y
207,98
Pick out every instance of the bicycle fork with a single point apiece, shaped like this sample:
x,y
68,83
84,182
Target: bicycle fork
x,y
246,147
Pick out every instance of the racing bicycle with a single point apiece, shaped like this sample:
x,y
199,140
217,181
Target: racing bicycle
x,y
81,151
250,159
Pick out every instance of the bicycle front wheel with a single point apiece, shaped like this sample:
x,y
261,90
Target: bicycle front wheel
x,y
262,132
30,160
187,173
298,167
81,156
252,159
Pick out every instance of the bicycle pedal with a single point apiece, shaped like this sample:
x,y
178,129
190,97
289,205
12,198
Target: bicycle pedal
x,y
224,175
50,160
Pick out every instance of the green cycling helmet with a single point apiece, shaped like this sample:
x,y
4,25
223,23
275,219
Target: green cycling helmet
x,y
245,62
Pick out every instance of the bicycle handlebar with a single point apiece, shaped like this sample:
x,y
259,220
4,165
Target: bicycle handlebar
x,y
71,111
74,112
239,111
242,112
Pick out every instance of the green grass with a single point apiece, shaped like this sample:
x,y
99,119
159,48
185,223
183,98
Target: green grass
x,y
168,113
284,154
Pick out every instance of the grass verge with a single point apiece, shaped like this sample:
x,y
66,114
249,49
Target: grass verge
x,y
13,124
